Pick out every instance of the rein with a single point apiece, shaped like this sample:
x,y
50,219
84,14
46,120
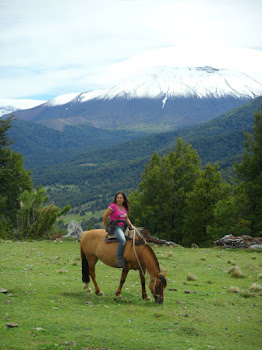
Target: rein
x,y
134,244
141,269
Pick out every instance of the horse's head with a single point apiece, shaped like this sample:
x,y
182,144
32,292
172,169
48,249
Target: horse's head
x,y
157,286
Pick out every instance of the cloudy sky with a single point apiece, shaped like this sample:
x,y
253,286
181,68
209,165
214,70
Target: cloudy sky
x,y
49,48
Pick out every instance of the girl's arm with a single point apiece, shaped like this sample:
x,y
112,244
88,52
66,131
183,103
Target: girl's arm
x,y
129,222
105,216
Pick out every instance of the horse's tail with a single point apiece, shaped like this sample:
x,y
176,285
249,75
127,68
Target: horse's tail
x,y
85,268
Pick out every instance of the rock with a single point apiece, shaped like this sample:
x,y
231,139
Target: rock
x,y
11,325
230,241
74,230
2,290
38,329
255,246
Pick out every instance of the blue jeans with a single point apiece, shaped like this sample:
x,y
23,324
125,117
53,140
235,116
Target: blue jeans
x,y
119,233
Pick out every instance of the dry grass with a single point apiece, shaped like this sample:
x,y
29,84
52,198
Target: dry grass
x,y
235,272
191,277
231,262
234,290
245,293
255,288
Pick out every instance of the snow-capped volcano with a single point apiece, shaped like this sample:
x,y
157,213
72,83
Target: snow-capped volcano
x,y
158,98
168,82
11,105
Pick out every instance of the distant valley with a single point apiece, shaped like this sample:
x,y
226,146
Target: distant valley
x,y
92,176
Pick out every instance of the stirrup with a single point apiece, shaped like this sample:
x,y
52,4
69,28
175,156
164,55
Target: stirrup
x,y
121,263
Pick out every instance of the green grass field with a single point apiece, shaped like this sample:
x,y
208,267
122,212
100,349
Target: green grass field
x,y
46,300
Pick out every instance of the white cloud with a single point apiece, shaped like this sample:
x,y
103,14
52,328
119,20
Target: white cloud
x,y
247,61
55,47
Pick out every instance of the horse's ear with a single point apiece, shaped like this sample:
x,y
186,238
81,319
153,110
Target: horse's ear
x,y
163,271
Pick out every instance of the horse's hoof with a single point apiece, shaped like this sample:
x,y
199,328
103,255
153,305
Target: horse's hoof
x,y
147,298
87,288
119,296
100,294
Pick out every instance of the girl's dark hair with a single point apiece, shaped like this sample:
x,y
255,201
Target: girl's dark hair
x,y
126,203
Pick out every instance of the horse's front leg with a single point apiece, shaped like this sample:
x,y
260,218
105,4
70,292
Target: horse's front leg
x,y
122,281
92,264
143,285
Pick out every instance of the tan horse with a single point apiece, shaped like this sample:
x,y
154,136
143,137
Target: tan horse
x,y
94,247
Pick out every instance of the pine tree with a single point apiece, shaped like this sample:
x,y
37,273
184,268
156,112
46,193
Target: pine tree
x,y
208,190
148,205
185,168
14,179
249,174
159,203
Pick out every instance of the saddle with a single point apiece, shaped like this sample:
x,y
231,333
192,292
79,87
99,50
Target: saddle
x,y
111,238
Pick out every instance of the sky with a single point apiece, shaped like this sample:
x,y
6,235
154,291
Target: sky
x,y
50,48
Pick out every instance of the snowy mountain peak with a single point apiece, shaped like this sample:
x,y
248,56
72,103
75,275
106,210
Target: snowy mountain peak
x,y
167,82
62,99
10,105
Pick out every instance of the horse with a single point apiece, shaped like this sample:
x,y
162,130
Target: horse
x,y
138,255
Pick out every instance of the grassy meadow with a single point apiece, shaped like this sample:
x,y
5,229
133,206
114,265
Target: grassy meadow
x,y
44,305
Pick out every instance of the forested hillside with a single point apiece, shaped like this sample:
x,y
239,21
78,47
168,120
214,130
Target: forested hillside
x,y
43,146
95,176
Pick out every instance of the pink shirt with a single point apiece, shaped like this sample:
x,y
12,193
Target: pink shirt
x,y
117,214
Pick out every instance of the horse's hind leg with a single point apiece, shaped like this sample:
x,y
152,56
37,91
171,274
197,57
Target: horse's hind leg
x,y
92,263
85,272
122,281
143,285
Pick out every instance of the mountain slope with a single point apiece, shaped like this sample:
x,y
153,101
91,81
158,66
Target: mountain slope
x,y
42,146
99,174
158,99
